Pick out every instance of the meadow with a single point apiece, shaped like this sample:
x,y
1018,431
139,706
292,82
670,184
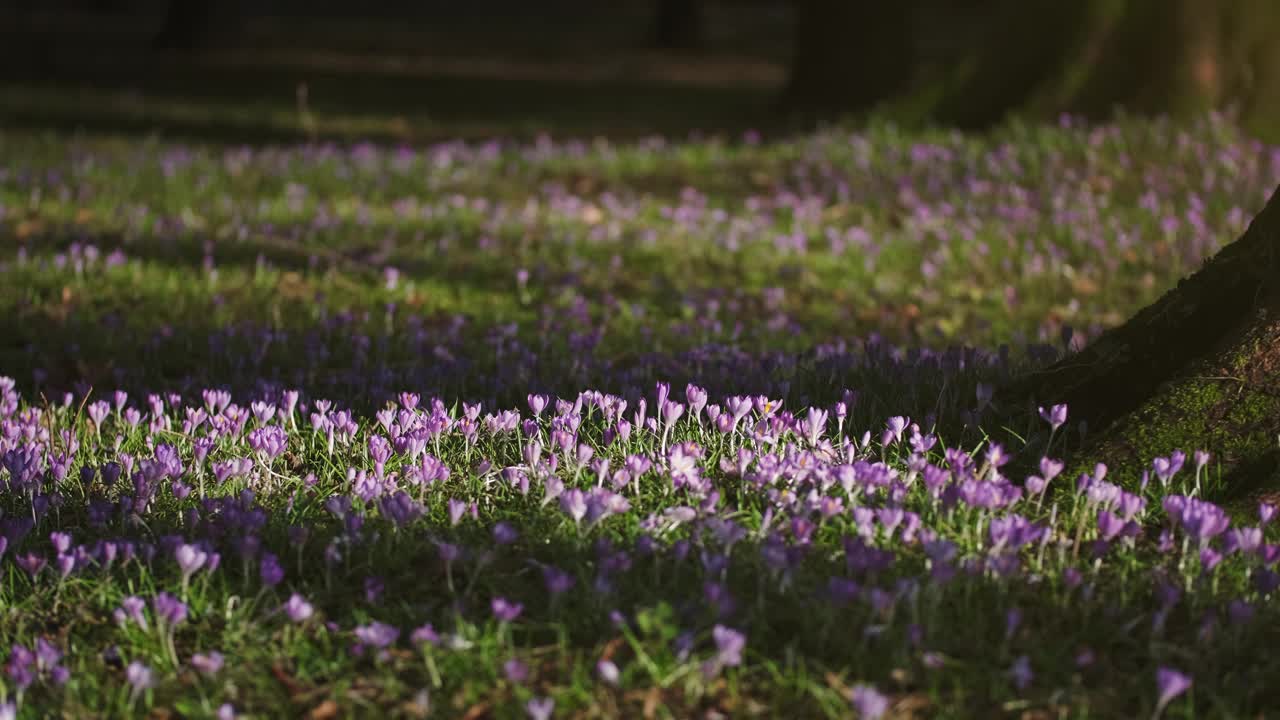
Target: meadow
x,y
670,427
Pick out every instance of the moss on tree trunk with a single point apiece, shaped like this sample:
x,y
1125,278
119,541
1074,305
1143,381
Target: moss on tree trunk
x,y
1197,369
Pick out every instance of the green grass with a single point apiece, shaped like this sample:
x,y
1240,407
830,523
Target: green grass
x,y
355,274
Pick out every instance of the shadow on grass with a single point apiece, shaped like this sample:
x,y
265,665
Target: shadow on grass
x,y
189,99
164,331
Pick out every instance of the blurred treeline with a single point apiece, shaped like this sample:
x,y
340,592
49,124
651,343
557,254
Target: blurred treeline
x,y
966,63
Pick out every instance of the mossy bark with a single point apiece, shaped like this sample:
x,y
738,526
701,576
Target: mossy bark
x,y
1044,57
1197,369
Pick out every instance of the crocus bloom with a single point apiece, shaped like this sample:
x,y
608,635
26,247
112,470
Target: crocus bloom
x,y
538,403
1021,672
869,702
61,541
139,676
729,645
170,610
131,609
1266,512
269,570
504,533
540,708
457,508
377,634
557,581
207,663
608,672
574,502
1056,416
1170,683
505,610
190,559
515,671
297,608
425,635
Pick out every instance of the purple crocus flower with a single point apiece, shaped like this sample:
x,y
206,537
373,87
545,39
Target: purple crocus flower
x,y
557,581
457,509
1166,468
190,559
207,663
131,608
574,503
269,570
1109,525
814,425
400,508
504,533
505,610
608,672
298,609
671,412
21,667
1247,540
515,671
697,399
540,708
729,645
1200,519
1209,559
1201,458
538,403
61,542
869,702
1021,673
1170,683
139,676
1266,513
31,563
425,635
377,634
169,610
1056,416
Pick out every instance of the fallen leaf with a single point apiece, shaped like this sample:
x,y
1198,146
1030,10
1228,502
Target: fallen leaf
x,y
651,701
291,685
326,710
611,648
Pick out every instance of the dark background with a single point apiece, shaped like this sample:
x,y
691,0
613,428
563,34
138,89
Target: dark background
x,y
437,69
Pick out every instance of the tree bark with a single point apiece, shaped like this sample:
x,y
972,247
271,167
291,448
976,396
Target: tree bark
x,y
1197,369
679,25
1045,57
1089,57
1128,363
188,25
849,55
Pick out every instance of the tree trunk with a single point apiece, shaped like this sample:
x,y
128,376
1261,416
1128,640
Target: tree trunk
x,y
188,25
1198,369
680,25
1159,56
849,55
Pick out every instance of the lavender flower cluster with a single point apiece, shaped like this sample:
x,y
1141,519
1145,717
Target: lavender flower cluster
x,y
912,523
